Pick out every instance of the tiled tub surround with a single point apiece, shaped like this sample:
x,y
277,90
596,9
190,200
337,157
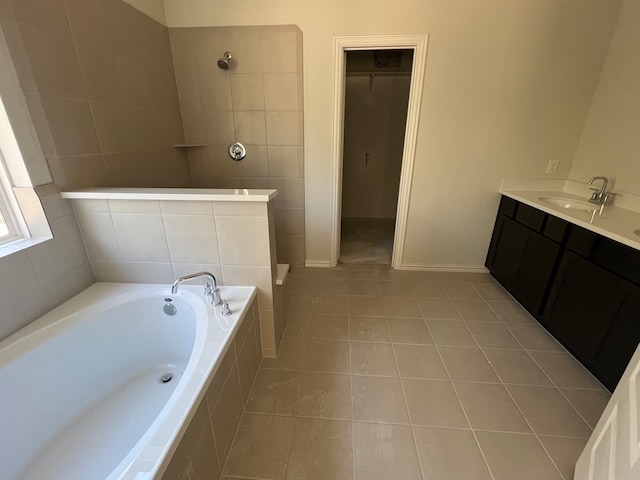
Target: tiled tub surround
x,y
386,374
205,445
157,235
107,415
258,102
99,83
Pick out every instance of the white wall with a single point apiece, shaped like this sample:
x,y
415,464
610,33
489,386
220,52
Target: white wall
x,y
507,88
610,142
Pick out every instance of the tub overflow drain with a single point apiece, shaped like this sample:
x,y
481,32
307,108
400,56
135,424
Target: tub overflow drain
x,y
166,377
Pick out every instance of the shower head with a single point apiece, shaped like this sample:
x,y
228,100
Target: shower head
x,y
223,63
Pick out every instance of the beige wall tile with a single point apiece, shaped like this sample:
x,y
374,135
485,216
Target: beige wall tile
x,y
252,209
48,15
132,272
192,239
282,128
135,80
134,206
247,91
182,269
226,415
255,164
285,161
243,241
100,73
290,192
187,82
208,44
219,127
252,276
279,51
250,127
198,162
289,221
214,85
87,21
247,364
71,126
41,124
193,125
60,254
281,91
246,48
291,249
99,236
122,127
141,237
17,276
180,207
220,164
54,63
83,172
267,333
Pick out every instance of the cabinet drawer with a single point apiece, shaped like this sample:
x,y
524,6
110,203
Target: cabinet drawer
x,y
581,241
555,229
619,258
507,207
531,217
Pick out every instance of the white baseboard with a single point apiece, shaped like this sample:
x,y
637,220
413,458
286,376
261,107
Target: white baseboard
x,y
445,268
317,263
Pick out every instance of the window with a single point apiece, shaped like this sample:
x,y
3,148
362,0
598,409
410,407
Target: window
x,y
11,226
23,222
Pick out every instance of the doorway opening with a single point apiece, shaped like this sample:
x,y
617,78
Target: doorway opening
x,y
376,95
370,207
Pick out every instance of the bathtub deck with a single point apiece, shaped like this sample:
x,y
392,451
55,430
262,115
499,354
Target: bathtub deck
x,y
108,432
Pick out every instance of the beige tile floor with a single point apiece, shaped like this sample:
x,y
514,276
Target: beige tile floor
x,y
387,374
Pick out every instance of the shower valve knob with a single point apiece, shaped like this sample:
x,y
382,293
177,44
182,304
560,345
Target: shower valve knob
x,y
237,151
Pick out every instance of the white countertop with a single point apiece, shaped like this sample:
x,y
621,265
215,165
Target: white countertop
x,y
611,221
186,194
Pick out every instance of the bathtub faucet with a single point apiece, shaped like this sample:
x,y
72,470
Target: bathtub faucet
x,y
210,286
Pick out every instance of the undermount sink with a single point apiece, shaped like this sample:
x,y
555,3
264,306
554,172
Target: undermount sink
x,y
569,204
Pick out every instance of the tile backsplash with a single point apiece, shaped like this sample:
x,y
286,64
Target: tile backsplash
x,y
258,102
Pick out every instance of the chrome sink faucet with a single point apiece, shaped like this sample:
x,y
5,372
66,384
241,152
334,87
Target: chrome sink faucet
x,y
210,286
599,196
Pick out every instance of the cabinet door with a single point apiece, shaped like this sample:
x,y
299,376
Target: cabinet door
x,y
508,244
623,335
536,268
578,310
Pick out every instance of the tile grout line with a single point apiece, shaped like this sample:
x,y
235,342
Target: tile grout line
x,y
520,410
504,386
353,439
406,406
475,437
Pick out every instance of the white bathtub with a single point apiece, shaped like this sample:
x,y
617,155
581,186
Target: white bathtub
x,y
80,389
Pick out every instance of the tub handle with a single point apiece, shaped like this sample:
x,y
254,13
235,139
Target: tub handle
x,y
226,311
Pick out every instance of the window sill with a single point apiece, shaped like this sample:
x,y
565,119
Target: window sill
x,y
22,244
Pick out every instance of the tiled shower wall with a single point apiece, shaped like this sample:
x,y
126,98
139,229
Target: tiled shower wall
x,y
98,80
99,83
258,102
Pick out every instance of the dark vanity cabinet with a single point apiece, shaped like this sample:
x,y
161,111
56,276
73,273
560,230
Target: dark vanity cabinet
x,y
524,251
583,287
